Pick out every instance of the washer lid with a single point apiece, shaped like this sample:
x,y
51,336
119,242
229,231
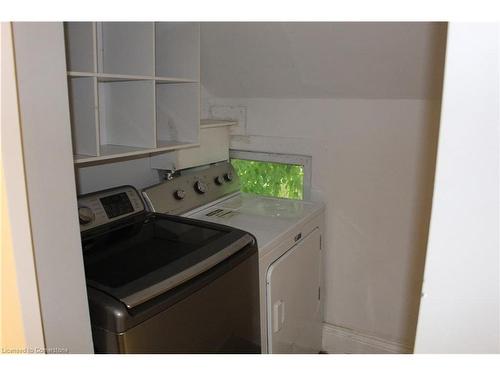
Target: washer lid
x,y
138,262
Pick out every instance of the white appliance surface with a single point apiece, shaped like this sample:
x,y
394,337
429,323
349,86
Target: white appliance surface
x,y
266,218
289,242
293,286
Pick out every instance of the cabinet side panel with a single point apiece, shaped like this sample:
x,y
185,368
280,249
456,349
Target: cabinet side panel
x,y
50,181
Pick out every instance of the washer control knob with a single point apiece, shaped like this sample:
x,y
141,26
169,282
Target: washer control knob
x,y
179,194
228,176
85,215
200,187
219,180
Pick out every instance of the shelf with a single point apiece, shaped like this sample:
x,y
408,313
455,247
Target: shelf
x,y
108,152
173,80
134,88
83,158
173,145
212,123
105,77
81,74
113,150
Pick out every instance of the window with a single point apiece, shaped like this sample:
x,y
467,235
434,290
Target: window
x,y
275,175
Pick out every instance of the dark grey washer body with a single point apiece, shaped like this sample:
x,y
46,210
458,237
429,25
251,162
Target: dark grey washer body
x,y
217,312
133,307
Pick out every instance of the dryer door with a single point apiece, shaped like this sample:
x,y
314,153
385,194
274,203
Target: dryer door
x,y
293,295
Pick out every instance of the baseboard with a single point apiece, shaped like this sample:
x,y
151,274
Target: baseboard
x,y
339,340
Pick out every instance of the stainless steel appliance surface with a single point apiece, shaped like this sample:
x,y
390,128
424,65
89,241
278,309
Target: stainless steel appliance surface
x,y
159,283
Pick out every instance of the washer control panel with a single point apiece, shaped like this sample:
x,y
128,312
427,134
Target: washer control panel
x,y
103,207
193,188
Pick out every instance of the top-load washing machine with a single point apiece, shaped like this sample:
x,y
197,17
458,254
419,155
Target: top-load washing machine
x,y
158,283
289,238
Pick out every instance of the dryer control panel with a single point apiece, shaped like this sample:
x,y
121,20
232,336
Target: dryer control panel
x,y
103,207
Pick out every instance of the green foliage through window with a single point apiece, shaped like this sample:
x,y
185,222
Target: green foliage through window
x,y
271,179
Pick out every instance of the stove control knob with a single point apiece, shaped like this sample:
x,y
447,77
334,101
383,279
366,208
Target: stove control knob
x,y
85,215
179,194
228,176
219,180
200,187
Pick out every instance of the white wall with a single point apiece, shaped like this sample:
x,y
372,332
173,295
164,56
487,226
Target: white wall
x,y
376,60
48,164
461,294
136,172
372,158
372,165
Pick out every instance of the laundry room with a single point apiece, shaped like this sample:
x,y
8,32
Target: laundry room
x,y
371,139
250,187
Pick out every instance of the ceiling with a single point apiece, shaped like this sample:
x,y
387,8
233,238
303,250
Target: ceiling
x,y
376,60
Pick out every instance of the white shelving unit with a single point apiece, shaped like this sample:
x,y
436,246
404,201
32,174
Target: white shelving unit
x,y
133,88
